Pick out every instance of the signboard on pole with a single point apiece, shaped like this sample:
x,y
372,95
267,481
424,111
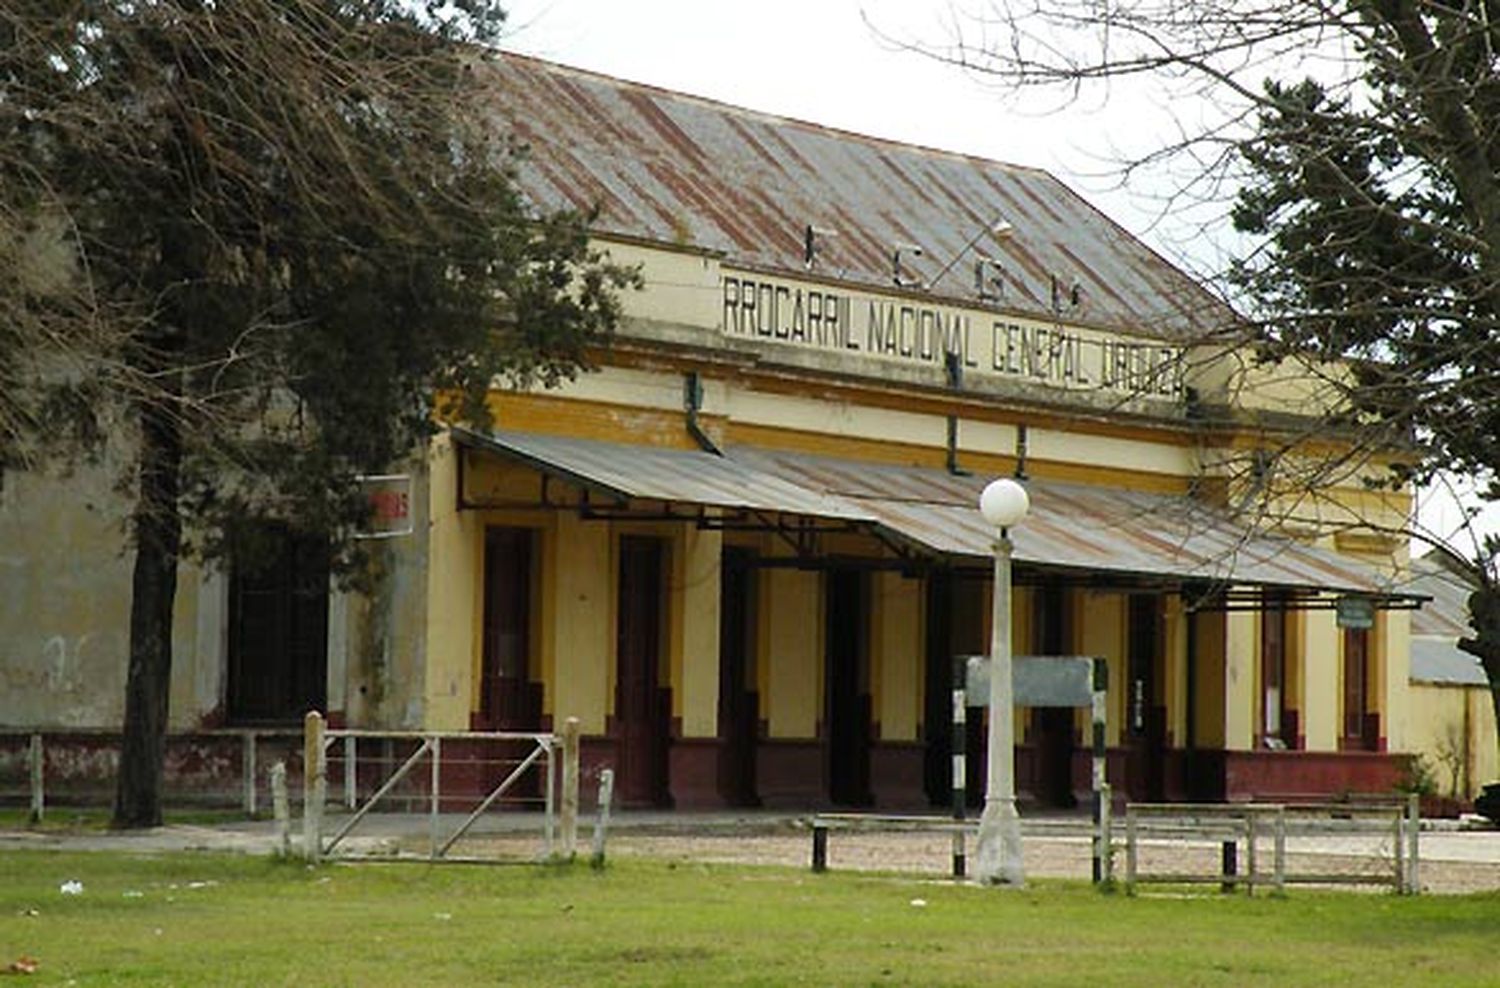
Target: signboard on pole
x,y
1038,681
389,497
1355,612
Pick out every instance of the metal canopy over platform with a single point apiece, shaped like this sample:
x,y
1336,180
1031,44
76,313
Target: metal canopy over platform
x,y
1079,528
1099,536
642,482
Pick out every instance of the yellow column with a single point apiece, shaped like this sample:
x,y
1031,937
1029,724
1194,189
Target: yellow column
x,y
791,663
1101,632
1174,658
1393,665
578,646
455,545
1210,681
1240,695
695,630
897,656
1322,665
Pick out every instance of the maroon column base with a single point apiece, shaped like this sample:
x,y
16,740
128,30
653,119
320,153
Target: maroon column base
x,y
896,775
1278,774
693,774
789,774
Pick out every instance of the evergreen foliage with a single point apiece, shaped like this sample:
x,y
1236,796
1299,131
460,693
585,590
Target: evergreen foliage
x,y
268,245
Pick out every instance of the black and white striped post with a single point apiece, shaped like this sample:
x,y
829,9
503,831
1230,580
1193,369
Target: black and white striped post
x,y
960,757
1102,807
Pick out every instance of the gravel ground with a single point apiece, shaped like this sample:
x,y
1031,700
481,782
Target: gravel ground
x,y
1045,856
1452,861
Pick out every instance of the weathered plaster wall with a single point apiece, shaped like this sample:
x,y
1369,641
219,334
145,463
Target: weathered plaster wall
x,y
1323,666
791,659
896,655
693,629
65,607
1453,729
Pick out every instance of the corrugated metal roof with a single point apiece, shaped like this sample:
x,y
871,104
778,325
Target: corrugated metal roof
x,y
1073,526
625,471
1441,661
685,171
1446,615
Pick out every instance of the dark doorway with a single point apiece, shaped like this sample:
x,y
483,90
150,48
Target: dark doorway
x,y
508,699
1145,716
642,706
1053,725
846,688
1278,719
739,708
937,706
1361,725
278,626
955,627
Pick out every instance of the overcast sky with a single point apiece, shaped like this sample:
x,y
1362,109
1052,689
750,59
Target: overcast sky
x,y
820,61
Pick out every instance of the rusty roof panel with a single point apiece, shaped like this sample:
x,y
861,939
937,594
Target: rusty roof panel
x,y
1073,526
624,472
1070,527
666,166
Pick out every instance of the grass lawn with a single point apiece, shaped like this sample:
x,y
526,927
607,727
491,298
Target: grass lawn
x,y
198,919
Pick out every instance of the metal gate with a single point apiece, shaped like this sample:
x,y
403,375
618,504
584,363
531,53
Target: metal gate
x,y
547,761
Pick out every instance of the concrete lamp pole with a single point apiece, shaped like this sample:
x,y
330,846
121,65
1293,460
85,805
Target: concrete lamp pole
x,y
1004,503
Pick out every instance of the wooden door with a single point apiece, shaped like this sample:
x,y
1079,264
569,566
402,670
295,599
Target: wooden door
x,y
642,710
1145,716
509,700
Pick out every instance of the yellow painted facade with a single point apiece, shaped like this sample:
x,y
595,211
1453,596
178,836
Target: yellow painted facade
x,y
721,350
1454,732
791,633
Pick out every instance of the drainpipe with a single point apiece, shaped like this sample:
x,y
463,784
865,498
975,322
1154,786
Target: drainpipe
x,y
692,404
955,371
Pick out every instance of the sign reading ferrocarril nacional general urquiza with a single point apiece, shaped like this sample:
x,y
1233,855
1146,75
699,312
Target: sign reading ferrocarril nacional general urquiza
x,y
906,330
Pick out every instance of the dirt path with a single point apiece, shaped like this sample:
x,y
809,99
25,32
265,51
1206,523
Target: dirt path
x,y
1045,857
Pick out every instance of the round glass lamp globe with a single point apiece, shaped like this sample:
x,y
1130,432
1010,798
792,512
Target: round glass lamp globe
x,y
1004,503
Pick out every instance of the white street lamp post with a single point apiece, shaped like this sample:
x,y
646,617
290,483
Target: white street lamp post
x,y
1004,503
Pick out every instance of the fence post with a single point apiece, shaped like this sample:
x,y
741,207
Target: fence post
x,y
1398,838
601,822
312,786
247,769
1280,850
436,745
1100,776
959,744
1129,849
570,788
1229,864
1414,823
351,773
1250,875
35,757
281,809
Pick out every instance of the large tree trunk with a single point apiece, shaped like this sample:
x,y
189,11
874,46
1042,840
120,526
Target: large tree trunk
x,y
1484,616
158,536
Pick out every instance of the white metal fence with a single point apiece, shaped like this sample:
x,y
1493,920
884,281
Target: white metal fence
x,y
446,775
1376,839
